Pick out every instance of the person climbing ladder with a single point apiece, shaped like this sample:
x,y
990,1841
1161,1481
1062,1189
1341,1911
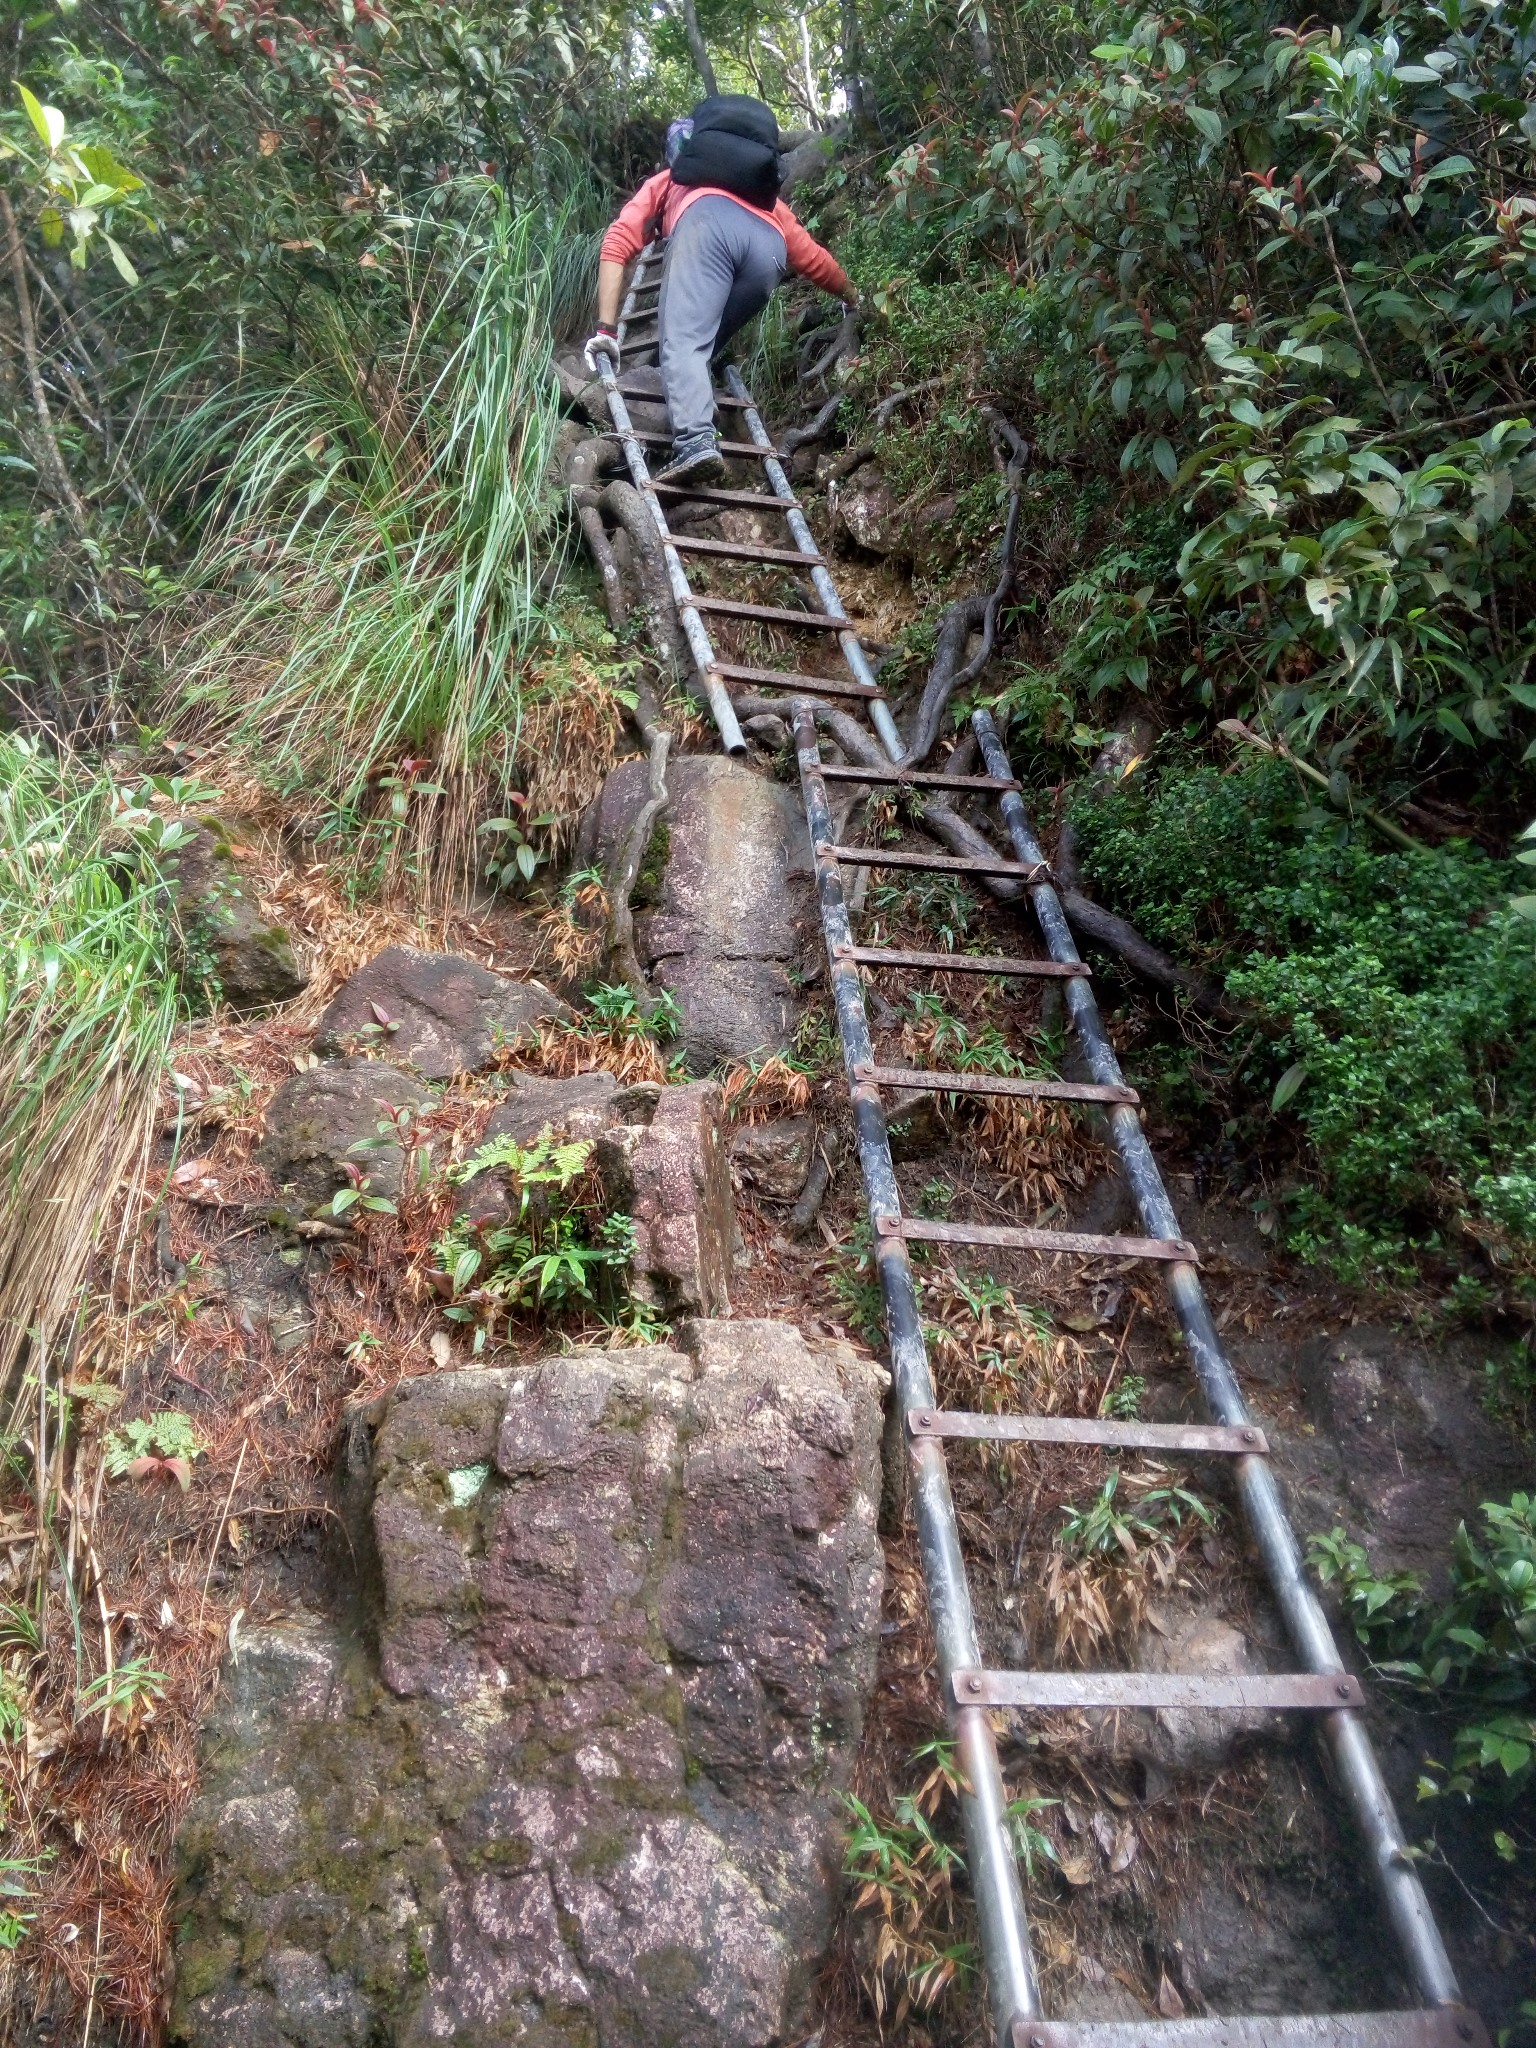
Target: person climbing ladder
x,y
730,240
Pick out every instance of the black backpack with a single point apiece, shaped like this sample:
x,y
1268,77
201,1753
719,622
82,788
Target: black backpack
x,y
735,145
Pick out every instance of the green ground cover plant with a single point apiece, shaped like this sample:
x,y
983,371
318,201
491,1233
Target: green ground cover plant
x,y
1388,1000
1471,1654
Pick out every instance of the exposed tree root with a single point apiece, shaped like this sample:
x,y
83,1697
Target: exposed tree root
x,y
1113,933
945,676
619,882
586,463
626,508
814,430
831,1147
887,406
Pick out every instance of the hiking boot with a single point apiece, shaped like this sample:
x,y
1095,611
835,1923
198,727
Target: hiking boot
x,y
703,465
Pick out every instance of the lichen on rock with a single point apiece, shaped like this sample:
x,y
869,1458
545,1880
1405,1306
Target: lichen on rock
x,y
588,1791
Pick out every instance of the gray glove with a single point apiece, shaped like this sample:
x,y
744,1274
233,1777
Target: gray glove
x,y
602,348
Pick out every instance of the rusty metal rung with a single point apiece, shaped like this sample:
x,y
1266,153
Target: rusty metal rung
x,y
724,402
649,440
1447,2026
1306,1692
745,551
900,778
933,863
960,963
1240,1440
785,679
946,1083
1011,1237
759,501
774,614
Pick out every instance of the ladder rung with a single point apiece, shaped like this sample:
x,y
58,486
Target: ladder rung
x,y
778,615
833,772
1013,1237
1239,1441
947,1082
759,501
650,440
961,963
934,863
724,402
1295,1691
745,551
782,679
1449,2026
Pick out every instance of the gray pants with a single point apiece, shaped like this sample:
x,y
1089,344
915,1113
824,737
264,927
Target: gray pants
x,y
721,267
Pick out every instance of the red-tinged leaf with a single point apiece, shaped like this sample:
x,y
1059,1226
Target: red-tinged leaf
x,y
191,1170
380,1014
179,1470
143,1468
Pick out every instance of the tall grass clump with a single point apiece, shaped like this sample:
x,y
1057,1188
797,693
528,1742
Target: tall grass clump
x,y
375,540
88,1000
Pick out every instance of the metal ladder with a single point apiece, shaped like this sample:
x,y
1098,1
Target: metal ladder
x,y
973,1693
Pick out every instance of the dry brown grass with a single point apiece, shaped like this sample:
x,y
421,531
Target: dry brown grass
x,y
756,1092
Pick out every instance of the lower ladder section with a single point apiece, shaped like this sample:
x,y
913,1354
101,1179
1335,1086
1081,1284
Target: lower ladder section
x,y
975,1694
1321,1688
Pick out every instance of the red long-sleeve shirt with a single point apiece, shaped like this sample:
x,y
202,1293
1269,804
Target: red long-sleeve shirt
x,y
659,195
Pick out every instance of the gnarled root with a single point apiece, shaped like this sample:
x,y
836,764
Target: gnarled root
x,y
587,462
945,676
619,882
625,507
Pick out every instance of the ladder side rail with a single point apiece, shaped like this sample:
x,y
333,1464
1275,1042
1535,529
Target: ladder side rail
x,y
700,645
1012,1986
858,661
1359,1772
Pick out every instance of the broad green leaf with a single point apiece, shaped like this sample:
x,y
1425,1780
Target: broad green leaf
x,y
123,267
1450,722
48,121
1163,455
1208,121
1288,1084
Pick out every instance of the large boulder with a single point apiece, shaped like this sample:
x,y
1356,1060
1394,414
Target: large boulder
x,y
589,1792
725,909
437,1012
228,947
340,1114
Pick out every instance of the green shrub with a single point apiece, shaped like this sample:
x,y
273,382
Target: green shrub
x,y
1392,994
1473,1653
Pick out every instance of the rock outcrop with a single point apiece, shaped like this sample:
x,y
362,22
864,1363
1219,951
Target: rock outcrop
x,y
589,1793
436,1012
343,1113
228,946
724,911
662,1156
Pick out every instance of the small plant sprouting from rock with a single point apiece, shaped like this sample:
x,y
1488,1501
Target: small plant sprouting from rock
x,y
618,1009
904,1871
559,1251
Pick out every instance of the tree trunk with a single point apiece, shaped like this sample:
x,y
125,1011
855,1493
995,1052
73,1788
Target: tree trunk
x,y
860,110
697,48
981,50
